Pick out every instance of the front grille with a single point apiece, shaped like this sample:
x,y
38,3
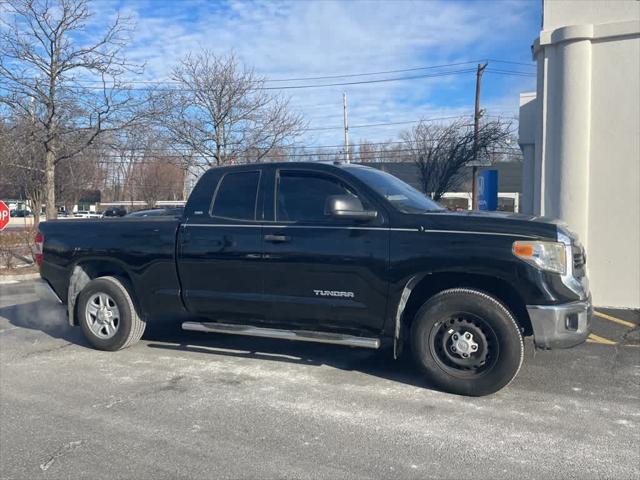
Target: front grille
x,y
579,261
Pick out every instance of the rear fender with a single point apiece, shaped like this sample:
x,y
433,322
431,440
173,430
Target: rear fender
x,y
86,271
78,280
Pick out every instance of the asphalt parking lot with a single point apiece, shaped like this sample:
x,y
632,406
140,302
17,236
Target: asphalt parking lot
x,y
189,405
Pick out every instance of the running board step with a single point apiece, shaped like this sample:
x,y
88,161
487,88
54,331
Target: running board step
x,y
299,335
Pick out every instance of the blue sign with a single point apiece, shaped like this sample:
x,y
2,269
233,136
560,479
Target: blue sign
x,y
488,190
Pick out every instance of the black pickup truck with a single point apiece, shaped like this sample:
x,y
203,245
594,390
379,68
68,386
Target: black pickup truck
x,y
341,254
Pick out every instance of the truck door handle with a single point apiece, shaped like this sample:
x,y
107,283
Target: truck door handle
x,y
277,238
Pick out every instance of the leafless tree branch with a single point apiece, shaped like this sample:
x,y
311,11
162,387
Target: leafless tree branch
x,y
41,64
442,151
220,114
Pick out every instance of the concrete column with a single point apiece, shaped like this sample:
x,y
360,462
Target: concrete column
x,y
587,144
540,113
567,170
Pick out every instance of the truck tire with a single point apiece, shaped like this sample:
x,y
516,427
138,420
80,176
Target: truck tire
x,y
467,342
107,315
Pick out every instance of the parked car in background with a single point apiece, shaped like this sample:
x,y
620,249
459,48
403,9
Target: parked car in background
x,y
86,214
158,212
114,212
20,213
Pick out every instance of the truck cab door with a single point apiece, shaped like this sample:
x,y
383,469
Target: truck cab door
x,y
321,272
220,251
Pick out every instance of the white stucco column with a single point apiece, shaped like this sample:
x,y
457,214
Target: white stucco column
x,y
540,121
566,170
587,146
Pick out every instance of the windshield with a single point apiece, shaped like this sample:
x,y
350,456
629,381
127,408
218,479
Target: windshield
x,y
402,196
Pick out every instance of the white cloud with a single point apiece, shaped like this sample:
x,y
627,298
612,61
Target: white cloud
x,y
310,38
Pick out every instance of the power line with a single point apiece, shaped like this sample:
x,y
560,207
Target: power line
x,y
293,147
325,77
372,125
79,87
511,72
369,125
163,155
336,154
284,147
166,154
493,60
357,144
349,75
433,119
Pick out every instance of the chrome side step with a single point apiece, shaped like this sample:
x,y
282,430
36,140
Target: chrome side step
x,y
300,335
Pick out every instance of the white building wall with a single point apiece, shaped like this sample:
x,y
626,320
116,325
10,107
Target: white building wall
x,y
586,167
614,180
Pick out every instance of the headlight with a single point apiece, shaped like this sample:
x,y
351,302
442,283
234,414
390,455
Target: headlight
x,y
548,256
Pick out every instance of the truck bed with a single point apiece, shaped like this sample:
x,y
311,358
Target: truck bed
x,y
144,248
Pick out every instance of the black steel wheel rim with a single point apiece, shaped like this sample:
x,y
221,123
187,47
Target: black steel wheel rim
x,y
474,330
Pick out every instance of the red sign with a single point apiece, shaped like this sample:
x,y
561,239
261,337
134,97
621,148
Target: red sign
x,y
4,215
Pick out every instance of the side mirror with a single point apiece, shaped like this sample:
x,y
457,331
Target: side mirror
x,y
348,206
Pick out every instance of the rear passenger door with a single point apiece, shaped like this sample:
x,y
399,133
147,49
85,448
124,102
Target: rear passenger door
x,y
322,272
220,252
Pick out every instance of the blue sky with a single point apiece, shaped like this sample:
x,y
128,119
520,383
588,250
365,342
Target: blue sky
x,y
305,38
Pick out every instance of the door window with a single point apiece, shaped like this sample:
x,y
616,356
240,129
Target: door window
x,y
236,196
302,196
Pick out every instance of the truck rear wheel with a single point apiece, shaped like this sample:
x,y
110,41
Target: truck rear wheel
x,y
107,314
467,342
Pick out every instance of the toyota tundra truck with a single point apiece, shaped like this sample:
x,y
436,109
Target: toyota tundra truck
x,y
332,253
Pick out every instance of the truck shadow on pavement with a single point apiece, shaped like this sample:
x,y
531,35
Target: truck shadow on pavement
x,y
377,363
49,318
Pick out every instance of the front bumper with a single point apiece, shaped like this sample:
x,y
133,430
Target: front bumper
x,y
560,326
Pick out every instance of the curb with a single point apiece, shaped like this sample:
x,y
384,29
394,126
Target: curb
x,y
18,278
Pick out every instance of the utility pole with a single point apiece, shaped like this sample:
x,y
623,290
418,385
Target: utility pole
x,y
476,128
346,128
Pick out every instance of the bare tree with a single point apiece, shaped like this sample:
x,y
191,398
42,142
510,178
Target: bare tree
x,y
221,113
367,152
127,149
75,87
441,152
21,161
77,177
158,179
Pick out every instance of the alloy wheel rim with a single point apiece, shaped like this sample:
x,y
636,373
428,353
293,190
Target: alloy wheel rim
x,y
103,315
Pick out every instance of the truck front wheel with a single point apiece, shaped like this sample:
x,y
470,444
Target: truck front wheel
x,y
107,314
467,342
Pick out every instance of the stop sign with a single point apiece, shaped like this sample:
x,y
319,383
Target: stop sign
x,y
4,215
